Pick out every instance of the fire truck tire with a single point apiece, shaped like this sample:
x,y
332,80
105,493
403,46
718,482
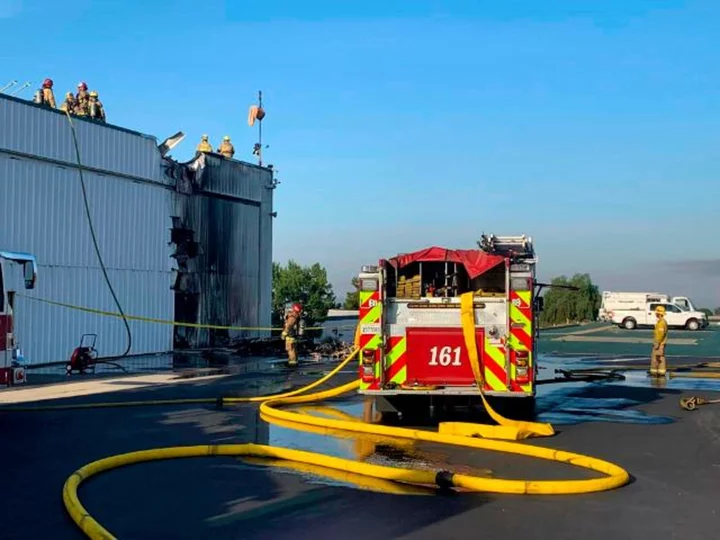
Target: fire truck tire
x,y
629,324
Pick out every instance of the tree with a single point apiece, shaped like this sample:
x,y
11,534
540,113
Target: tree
x,y
308,285
707,311
564,305
352,298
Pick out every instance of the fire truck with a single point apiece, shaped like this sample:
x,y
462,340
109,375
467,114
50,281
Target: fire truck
x,y
413,356
12,371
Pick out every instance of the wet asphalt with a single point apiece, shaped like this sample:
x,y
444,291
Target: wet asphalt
x,y
672,455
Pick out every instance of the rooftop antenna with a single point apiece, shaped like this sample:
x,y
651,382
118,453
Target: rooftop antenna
x,y
23,87
257,113
8,86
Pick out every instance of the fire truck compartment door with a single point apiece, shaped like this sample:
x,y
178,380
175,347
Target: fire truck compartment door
x,y
438,356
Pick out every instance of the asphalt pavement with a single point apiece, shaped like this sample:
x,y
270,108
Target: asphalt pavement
x,y
672,455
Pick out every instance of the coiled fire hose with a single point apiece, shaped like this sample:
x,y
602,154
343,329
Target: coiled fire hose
x,y
477,436
693,402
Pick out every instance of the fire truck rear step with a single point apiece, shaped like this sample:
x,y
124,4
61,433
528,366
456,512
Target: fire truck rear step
x,y
453,391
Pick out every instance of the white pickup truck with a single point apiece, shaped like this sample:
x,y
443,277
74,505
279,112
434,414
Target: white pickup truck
x,y
631,317
618,301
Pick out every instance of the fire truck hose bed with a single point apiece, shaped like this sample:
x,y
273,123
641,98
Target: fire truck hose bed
x,y
463,435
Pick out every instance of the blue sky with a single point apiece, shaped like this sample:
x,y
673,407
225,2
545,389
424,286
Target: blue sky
x,y
396,126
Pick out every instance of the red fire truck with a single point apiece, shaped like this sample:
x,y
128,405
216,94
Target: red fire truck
x,y
413,356
11,369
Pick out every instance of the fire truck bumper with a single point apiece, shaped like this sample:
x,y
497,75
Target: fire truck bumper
x,y
451,391
11,376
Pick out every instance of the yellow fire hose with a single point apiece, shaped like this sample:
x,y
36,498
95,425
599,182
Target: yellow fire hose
x,y
448,433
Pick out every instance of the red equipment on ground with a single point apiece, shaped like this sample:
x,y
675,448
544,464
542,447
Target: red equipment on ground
x,y
84,357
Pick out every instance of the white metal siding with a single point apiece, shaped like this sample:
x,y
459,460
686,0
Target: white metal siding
x,y
49,333
34,130
45,215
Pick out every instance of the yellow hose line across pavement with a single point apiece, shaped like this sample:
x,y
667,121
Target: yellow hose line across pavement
x,y
411,479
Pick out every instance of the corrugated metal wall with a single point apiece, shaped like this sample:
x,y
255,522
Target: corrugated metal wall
x,y
43,213
45,216
228,205
39,132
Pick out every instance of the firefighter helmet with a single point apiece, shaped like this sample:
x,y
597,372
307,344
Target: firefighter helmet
x,y
48,83
297,308
82,85
93,94
226,138
660,310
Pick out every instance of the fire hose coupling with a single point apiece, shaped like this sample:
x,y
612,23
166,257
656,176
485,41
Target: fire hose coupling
x,y
444,479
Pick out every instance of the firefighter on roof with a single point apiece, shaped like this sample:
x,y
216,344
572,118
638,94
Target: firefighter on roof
x,y
46,95
657,363
95,107
204,145
290,332
69,104
226,148
82,98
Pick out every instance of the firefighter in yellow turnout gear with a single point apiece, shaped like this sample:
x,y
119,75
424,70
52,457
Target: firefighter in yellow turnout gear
x,y
290,332
226,148
204,145
657,362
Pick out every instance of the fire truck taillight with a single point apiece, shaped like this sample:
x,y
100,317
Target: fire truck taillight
x,y
367,368
522,370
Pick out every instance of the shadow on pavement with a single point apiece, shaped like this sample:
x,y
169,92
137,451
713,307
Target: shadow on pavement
x,y
184,498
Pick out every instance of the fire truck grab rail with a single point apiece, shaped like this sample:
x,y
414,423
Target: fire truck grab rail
x,y
615,476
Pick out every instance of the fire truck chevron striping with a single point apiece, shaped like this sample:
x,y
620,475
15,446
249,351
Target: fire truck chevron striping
x,y
493,358
396,371
521,339
370,338
410,333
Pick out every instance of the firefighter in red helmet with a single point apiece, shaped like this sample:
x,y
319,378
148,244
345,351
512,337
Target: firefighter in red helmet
x,y
291,330
48,97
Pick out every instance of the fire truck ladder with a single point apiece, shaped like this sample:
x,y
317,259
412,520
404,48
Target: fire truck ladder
x,y
519,247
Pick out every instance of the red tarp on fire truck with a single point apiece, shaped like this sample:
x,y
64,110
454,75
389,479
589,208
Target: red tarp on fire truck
x,y
475,261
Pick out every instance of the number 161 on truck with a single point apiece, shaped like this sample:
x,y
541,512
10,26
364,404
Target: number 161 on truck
x,y
413,348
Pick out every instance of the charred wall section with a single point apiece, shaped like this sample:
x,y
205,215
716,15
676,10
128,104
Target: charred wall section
x,y
222,238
